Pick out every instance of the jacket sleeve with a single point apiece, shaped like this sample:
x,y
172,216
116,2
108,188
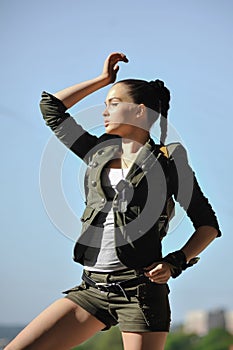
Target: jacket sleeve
x,y
188,193
65,127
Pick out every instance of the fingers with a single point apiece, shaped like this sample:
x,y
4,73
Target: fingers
x,y
111,67
124,58
159,274
116,57
116,68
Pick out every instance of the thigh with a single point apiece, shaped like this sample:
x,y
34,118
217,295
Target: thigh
x,y
61,326
144,341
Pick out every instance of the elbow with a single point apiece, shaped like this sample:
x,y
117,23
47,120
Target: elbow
x,y
42,109
44,104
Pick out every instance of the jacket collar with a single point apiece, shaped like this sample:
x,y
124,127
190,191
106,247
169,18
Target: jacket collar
x,y
144,161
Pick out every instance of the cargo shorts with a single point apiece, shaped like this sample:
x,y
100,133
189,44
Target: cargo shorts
x,y
145,309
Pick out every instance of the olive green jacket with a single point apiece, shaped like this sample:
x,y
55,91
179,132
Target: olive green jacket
x,y
141,199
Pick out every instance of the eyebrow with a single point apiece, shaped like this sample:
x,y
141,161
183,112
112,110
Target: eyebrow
x,y
118,98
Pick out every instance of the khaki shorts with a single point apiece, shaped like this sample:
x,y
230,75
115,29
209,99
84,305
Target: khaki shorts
x,y
147,309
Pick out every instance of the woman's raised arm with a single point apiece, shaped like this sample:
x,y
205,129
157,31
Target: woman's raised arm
x,y
73,94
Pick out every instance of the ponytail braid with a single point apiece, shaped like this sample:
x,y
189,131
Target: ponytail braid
x,y
164,98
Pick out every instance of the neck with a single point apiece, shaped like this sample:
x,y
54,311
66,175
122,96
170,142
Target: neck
x,y
130,149
131,146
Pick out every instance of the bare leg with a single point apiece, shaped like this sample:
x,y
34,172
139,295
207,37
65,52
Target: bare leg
x,y
61,326
144,341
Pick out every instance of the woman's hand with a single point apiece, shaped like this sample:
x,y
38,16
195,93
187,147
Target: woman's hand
x,y
159,273
111,67
73,94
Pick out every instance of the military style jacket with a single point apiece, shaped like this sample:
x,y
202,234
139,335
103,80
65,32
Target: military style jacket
x,y
141,200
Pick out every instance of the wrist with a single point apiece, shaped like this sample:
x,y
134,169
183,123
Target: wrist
x,y
104,79
178,262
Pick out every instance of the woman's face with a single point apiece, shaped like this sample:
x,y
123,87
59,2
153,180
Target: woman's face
x,y
120,115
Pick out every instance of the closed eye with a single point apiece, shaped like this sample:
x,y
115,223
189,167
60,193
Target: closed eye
x,y
113,101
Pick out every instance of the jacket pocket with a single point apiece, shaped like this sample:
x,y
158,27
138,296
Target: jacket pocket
x,y
87,214
132,213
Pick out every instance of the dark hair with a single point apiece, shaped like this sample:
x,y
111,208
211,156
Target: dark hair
x,y
155,96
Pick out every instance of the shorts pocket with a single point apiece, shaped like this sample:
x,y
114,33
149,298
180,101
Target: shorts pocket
x,y
81,286
154,303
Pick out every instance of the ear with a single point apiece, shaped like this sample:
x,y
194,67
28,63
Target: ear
x,y
141,110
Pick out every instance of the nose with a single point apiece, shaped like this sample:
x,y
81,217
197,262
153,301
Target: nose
x,y
105,112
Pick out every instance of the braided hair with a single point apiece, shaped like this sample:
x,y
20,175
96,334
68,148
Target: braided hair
x,y
155,96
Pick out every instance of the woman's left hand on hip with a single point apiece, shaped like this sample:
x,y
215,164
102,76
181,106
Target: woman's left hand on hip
x,y
159,273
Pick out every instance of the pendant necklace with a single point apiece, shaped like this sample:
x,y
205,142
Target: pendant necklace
x,y
121,188
124,185
126,166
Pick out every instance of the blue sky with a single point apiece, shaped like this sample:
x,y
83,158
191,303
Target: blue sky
x,y
48,45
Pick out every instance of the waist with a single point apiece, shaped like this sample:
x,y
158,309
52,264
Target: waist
x,y
127,277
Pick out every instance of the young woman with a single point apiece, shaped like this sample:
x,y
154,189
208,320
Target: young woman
x,y
129,185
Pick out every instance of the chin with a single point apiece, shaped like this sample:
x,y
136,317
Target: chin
x,y
112,131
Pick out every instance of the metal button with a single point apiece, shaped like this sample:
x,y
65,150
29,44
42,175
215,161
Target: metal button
x,y
103,200
94,183
95,164
100,152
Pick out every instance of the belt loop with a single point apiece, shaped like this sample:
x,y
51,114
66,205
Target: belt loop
x,y
108,277
139,272
87,272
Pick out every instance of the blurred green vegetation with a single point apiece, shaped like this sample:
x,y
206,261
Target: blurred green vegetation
x,y
216,339
110,339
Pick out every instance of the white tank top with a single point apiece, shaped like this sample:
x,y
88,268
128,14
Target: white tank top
x,y
107,260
